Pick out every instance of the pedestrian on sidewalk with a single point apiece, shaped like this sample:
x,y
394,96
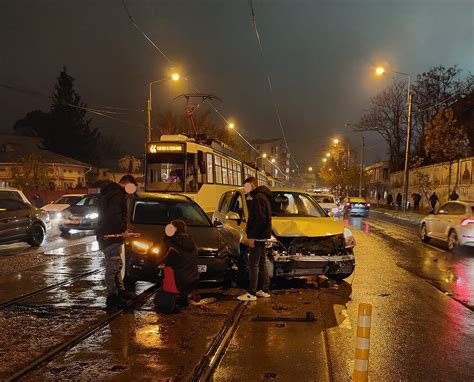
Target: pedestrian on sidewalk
x,y
379,196
389,201
399,201
259,230
416,201
453,195
433,200
113,221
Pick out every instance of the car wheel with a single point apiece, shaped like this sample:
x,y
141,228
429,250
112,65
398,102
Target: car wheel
x,y
36,235
242,276
452,240
424,234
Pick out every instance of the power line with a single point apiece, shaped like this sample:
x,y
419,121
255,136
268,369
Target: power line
x,y
170,61
270,86
103,113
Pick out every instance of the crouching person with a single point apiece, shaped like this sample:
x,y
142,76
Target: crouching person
x,y
181,274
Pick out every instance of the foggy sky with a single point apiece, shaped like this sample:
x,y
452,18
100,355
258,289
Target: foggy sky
x,y
319,54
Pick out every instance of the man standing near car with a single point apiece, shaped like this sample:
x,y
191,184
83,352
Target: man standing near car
x,y
112,225
259,230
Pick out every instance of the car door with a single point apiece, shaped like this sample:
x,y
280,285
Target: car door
x,y
236,228
444,216
15,216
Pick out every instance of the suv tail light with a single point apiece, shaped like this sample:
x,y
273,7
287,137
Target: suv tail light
x,y
367,205
467,221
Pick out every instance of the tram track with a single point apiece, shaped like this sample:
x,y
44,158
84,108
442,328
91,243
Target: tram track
x,y
81,336
40,291
214,354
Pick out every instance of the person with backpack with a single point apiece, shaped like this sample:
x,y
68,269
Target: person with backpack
x,y
181,274
416,201
453,195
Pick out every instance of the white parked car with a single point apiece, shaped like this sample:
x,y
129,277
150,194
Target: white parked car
x,y
327,202
452,223
56,208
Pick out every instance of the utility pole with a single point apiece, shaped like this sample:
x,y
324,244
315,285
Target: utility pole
x,y
361,166
148,109
406,172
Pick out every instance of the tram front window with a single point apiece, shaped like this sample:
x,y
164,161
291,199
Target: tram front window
x,y
165,176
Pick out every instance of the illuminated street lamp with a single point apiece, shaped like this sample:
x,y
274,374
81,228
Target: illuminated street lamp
x,y
336,141
273,160
310,169
325,160
231,125
380,71
328,155
175,77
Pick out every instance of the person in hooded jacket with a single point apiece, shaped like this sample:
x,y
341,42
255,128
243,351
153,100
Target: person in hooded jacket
x,y
181,274
112,220
259,230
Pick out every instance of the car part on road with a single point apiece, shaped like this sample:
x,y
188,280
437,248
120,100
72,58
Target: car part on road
x,y
211,359
452,240
310,317
424,234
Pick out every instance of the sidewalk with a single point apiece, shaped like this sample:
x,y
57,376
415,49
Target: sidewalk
x,y
409,216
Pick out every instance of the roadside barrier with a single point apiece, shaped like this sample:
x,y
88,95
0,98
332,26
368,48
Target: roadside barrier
x,y
361,363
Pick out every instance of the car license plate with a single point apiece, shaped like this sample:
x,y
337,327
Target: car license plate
x,y
202,268
74,221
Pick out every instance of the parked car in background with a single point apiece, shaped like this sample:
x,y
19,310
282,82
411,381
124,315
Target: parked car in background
x,y
327,202
354,206
150,213
82,216
56,208
452,223
305,240
20,220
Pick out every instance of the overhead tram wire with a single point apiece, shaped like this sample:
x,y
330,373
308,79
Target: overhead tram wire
x,y
170,61
103,113
270,86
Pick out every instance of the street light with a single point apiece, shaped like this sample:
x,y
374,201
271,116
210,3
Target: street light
x,y
273,160
231,125
174,77
379,71
328,155
336,141
325,160
310,169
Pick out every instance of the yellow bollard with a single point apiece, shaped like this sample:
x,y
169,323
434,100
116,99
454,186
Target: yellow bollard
x,y
361,363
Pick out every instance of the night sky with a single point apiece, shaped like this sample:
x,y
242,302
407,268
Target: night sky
x,y
320,55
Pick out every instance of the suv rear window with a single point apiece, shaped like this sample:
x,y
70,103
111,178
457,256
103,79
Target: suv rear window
x,y
163,212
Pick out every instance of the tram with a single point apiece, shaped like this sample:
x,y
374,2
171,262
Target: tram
x,y
202,170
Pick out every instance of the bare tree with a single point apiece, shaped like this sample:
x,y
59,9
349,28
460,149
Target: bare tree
x,y
387,115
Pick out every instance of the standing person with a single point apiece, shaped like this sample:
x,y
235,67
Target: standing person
x,y
181,268
38,201
399,201
433,200
453,195
416,201
113,221
259,230
379,196
389,201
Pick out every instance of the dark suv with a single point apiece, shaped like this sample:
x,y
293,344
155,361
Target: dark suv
x,y
150,213
21,221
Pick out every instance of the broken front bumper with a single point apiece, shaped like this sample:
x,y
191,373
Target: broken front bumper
x,y
311,265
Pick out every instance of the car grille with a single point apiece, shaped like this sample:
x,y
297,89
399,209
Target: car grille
x,y
314,246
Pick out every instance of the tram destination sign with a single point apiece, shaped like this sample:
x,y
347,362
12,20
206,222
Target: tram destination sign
x,y
155,148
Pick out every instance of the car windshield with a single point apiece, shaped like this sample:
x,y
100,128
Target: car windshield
x,y
88,201
71,200
324,199
292,204
163,212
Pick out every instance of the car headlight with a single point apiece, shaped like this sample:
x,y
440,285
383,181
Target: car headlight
x,y
144,248
92,216
271,242
349,239
59,215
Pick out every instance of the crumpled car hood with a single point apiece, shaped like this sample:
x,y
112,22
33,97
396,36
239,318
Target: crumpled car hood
x,y
308,227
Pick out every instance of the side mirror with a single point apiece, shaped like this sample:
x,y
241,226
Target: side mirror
x,y
218,224
233,216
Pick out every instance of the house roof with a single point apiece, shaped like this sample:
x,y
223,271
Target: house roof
x,y
15,147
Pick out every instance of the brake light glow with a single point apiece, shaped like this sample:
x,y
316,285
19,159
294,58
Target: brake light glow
x,y
348,204
467,221
367,205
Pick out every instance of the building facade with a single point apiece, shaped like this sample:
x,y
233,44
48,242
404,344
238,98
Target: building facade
x,y
274,158
63,172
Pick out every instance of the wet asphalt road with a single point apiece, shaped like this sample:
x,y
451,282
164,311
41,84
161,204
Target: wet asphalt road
x,y
422,329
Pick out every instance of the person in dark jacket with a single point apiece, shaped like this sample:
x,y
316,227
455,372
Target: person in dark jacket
x,y
416,201
259,230
182,258
112,225
433,200
389,200
399,201
453,195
